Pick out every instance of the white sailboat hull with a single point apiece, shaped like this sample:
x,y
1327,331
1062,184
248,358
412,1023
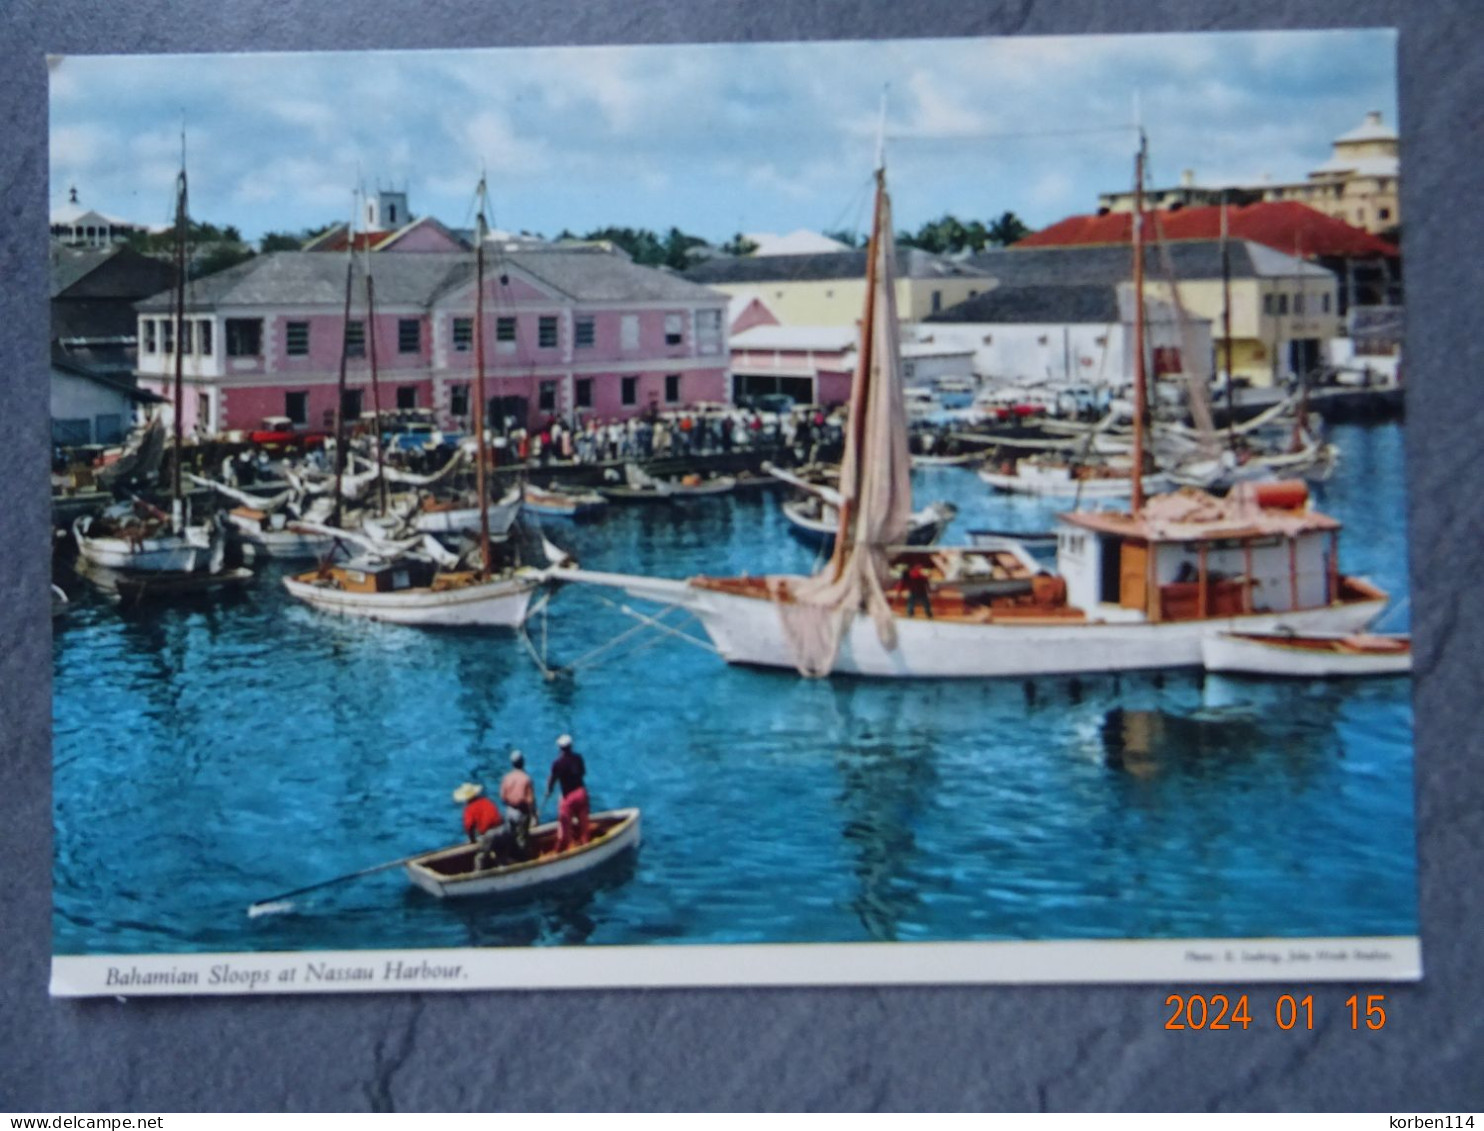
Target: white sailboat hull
x,y
501,603
186,552
1059,483
281,545
748,630
465,520
1225,652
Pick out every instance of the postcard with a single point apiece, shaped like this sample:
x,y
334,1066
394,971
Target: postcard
x,y
654,515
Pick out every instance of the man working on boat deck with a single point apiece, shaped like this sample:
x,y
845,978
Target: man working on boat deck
x,y
482,822
570,772
518,799
914,579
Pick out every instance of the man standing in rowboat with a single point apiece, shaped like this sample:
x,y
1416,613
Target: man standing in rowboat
x,y
570,772
518,798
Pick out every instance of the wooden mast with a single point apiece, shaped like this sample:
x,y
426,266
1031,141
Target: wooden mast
x,y
350,261
1226,329
480,452
1136,502
177,503
375,384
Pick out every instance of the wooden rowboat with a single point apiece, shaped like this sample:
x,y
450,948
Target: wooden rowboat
x,y
449,873
1318,656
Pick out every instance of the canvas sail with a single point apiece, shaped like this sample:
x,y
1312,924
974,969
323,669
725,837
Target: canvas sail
x,y
875,482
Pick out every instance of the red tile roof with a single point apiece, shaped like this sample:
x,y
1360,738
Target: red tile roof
x,y
1284,225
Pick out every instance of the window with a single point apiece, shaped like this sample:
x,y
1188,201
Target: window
x,y
629,391
203,337
350,406
672,388
391,213
505,333
296,407
547,401
674,329
584,333
185,338
1324,303
355,338
584,392
628,332
708,331
1282,304
546,332
203,411
409,335
463,334
937,301
1268,305
149,335
458,400
406,396
244,337
296,339
1384,213
167,336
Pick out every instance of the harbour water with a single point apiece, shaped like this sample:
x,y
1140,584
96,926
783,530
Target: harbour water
x,y
214,754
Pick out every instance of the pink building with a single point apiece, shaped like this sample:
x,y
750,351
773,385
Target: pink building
x,y
812,364
571,333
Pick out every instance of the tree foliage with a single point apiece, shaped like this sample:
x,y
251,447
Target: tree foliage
x,y
648,249
948,235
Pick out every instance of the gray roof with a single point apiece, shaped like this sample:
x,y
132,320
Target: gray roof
x,y
1191,259
1038,302
68,265
308,278
590,275
912,263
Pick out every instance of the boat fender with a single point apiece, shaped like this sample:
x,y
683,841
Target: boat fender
x,y
1286,494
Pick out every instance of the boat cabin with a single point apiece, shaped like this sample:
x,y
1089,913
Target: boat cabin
x,y
1188,555
374,575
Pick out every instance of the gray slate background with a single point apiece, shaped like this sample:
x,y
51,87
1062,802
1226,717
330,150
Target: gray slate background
x,y
1019,1048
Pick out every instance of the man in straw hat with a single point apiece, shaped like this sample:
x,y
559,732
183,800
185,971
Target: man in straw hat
x,y
482,822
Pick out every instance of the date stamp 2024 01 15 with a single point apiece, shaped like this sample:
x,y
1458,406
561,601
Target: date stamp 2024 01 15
x,y
1225,1011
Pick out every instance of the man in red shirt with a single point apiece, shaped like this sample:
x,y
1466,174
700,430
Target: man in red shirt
x,y
570,772
482,824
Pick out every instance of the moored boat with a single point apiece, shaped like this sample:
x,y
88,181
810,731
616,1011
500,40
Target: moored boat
x,y
1314,656
1133,590
449,873
561,502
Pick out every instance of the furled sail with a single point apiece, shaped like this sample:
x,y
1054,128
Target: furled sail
x,y
875,481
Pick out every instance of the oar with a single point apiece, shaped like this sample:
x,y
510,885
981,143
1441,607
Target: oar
x,y
284,900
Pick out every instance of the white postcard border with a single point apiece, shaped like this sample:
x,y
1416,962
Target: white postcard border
x,y
1224,961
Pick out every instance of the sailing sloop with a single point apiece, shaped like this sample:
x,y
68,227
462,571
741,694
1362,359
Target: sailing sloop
x,y
1134,590
415,582
137,536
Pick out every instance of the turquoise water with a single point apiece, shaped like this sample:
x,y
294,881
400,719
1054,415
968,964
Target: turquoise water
x,y
214,755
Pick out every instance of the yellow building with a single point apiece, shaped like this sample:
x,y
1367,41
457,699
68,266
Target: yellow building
x,y
1283,309
829,289
1359,184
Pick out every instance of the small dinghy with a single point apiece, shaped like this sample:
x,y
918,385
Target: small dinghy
x,y
562,502
449,873
1311,656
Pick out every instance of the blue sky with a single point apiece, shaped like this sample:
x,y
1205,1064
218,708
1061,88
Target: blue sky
x,y
714,139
